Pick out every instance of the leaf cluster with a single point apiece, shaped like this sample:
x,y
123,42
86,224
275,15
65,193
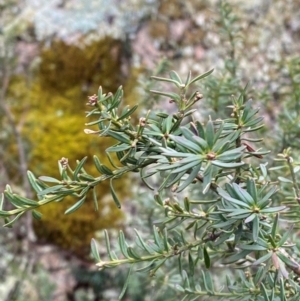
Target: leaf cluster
x,y
239,227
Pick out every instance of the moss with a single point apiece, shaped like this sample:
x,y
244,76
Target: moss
x,y
55,118
66,66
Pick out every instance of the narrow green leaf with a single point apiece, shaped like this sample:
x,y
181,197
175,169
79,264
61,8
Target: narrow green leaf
x,y
10,223
158,264
287,261
50,190
180,264
224,224
185,166
13,200
228,198
4,213
186,203
128,156
78,168
118,95
218,132
158,199
118,148
95,199
172,96
191,146
210,133
76,206
143,243
251,188
207,281
188,134
282,290
243,194
104,129
168,122
125,284
106,170
188,78
128,113
275,225
236,257
113,193
249,129
32,181
165,238
200,130
255,228
182,290
133,254
264,292
265,200
250,218
148,267
252,122
1,201
107,242
36,214
94,249
100,93
252,247
244,280
206,258
49,179
273,209
260,274
26,201
222,238
197,78
191,265
189,179
284,180
207,177
120,137
123,245
227,164
230,155
236,212
175,77
263,258
163,79
157,238
246,110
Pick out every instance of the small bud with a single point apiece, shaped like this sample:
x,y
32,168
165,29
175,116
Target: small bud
x,y
198,96
88,131
92,100
142,121
211,156
167,202
174,187
247,274
250,149
64,162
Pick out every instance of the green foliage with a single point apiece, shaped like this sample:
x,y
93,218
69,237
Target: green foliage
x,y
233,221
221,207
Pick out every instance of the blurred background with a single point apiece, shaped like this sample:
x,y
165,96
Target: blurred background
x,y
55,53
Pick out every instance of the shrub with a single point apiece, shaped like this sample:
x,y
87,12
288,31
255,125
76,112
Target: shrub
x,y
230,235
